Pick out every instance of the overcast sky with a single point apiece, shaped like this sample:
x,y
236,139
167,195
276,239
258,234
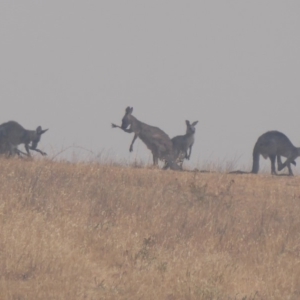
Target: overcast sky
x,y
74,66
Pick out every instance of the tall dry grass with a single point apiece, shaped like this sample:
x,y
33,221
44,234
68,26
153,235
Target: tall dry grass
x,y
92,231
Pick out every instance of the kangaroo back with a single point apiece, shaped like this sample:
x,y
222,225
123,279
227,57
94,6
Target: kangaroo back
x,y
156,140
14,132
11,134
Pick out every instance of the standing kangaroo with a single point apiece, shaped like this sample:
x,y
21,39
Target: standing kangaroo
x,y
13,134
184,143
274,144
154,138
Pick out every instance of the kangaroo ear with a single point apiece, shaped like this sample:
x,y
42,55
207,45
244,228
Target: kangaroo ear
x,y
187,122
131,110
195,123
39,129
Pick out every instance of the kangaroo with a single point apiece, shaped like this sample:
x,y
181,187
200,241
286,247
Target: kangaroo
x,y
13,134
184,143
274,144
154,138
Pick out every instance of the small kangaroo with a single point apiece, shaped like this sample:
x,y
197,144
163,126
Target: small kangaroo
x,y
13,134
154,138
184,143
274,144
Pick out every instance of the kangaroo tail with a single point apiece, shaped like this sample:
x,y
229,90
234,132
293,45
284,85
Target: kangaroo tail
x,y
255,166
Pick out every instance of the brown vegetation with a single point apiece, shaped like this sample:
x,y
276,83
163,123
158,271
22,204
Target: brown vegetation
x,y
91,231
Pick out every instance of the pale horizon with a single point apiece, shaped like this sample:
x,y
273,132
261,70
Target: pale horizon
x,y
74,67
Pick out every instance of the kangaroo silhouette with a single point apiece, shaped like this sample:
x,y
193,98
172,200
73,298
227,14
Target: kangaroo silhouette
x,y
182,144
154,138
274,144
13,134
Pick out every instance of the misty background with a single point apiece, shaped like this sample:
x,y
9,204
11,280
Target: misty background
x,y
74,66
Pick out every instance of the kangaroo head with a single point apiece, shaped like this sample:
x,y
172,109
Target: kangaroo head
x,y
126,118
39,130
190,128
37,136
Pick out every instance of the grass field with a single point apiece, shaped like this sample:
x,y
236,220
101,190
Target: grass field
x,y
92,231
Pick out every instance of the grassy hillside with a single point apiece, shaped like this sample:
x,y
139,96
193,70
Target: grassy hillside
x,y
90,231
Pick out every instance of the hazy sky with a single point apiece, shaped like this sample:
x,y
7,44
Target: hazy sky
x,y
74,66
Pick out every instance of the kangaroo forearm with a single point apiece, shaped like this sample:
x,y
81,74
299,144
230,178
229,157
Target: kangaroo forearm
x,y
27,149
131,145
38,150
124,129
127,130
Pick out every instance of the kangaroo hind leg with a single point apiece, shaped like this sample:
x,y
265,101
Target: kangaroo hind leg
x,y
155,160
290,160
279,163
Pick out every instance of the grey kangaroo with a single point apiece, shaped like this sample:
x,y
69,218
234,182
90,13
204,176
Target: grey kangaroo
x,y
182,144
13,134
154,138
274,144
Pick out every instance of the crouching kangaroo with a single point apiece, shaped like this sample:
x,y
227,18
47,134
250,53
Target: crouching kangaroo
x,y
182,144
13,134
154,138
274,144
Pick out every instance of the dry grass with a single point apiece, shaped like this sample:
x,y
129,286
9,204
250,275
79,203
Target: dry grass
x,y
90,231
